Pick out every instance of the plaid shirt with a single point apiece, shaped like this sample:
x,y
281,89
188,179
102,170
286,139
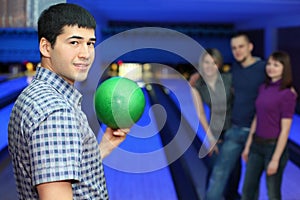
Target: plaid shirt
x,y
50,140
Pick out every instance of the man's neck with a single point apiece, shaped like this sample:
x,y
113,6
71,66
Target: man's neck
x,y
249,61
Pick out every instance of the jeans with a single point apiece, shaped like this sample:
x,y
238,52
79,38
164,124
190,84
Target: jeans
x,y
230,152
259,158
231,190
210,162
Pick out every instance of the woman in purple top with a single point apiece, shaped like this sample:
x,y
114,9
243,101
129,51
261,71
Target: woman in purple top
x,y
266,145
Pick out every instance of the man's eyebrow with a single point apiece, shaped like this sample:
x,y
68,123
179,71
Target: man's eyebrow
x,y
80,38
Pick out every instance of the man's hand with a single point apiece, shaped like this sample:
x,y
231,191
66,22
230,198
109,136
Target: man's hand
x,y
111,139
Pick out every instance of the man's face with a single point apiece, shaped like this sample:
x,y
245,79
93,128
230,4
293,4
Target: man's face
x,y
241,48
73,53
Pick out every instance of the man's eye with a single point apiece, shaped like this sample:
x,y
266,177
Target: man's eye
x,y
74,42
91,44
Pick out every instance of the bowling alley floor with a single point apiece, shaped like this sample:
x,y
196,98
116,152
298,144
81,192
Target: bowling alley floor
x,y
125,182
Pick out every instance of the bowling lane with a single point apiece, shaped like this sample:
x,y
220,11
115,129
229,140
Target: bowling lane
x,y
182,148
138,169
9,90
4,118
179,91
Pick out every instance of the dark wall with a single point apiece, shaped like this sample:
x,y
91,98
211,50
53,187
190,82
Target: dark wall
x,y
207,35
288,40
257,38
161,56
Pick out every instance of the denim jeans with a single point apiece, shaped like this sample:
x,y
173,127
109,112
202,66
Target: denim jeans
x,y
232,187
259,158
210,162
232,147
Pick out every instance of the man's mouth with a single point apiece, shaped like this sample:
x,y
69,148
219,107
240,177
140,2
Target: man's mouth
x,y
81,66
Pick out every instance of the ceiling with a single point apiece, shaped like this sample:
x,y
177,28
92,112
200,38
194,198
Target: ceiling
x,y
191,11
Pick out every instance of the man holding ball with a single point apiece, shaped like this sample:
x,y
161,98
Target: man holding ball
x,y
55,153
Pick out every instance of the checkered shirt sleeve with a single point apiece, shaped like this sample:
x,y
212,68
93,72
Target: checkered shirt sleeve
x,y
55,149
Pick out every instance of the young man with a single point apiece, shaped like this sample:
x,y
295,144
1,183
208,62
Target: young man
x,y
55,154
248,73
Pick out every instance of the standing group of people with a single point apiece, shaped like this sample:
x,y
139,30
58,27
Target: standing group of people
x,y
260,103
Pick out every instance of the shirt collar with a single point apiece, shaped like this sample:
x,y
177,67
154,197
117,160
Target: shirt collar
x,y
59,84
276,83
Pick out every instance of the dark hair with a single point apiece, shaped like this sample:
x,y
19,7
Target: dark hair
x,y
284,59
52,20
241,34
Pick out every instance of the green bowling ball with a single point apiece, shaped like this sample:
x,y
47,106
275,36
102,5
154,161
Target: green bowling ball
x,y
119,102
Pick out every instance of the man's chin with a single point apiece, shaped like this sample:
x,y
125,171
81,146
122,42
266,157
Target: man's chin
x,y
242,60
81,78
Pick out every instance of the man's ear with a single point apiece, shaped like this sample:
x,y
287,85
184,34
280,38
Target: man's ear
x,y
251,46
45,47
